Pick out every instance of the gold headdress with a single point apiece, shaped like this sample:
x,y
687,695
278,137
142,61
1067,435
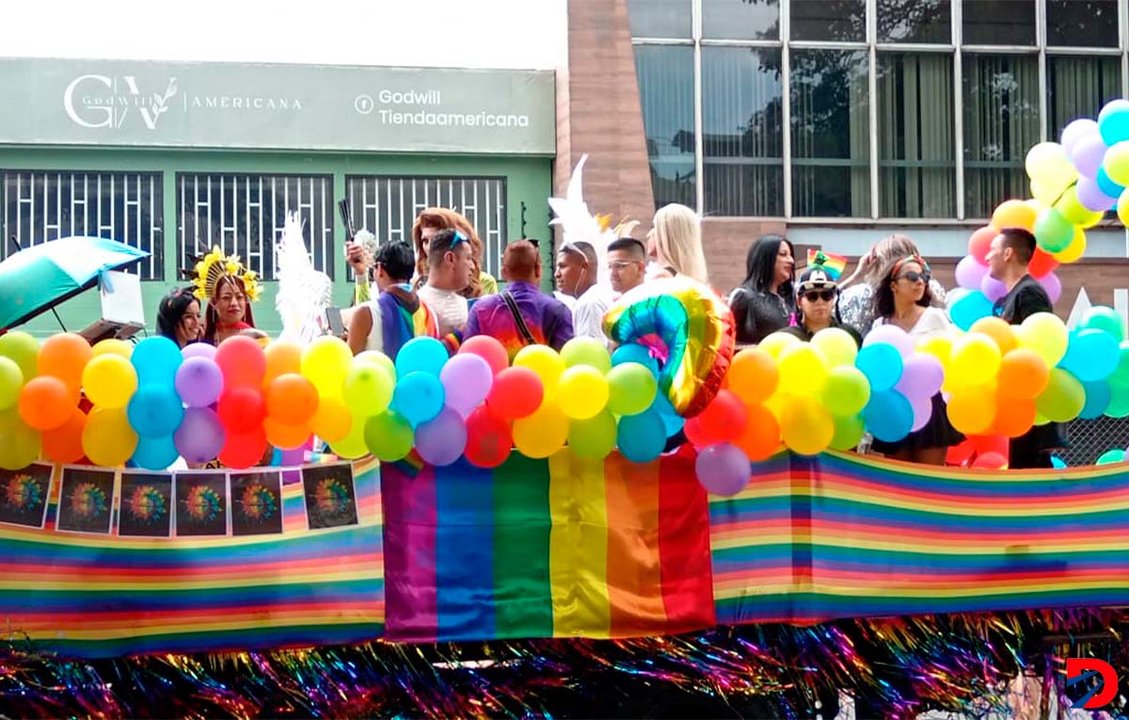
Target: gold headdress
x,y
214,266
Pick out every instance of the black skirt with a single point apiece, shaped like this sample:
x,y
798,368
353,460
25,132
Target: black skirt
x,y
938,432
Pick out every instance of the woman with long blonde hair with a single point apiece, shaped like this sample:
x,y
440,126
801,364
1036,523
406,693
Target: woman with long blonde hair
x,y
435,219
676,240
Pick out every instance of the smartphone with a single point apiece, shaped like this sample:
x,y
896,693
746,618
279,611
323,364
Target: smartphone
x,y
333,319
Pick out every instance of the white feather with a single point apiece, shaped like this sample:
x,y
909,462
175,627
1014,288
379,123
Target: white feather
x,y
580,225
304,293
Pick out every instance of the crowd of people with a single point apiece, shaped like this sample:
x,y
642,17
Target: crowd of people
x,y
436,287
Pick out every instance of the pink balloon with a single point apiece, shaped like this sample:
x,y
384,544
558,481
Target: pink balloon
x,y
992,288
1052,285
970,273
893,335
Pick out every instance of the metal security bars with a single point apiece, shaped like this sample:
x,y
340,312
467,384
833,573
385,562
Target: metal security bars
x,y
44,206
246,215
387,206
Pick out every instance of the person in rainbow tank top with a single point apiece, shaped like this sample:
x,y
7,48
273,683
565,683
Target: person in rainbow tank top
x,y
397,314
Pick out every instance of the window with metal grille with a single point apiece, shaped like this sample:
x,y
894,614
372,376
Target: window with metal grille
x,y
387,207
44,206
245,215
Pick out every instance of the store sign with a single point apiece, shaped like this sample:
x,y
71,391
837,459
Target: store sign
x,y
291,107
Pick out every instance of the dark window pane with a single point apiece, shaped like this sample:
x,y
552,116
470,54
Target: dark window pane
x,y
843,20
916,154
830,134
915,21
741,20
998,22
666,91
1079,87
1082,23
1001,122
659,18
741,119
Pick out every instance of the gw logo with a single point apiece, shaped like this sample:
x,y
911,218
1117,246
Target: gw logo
x,y
98,101
1080,670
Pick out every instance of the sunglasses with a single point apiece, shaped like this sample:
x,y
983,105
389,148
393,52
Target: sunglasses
x,y
621,264
459,238
914,276
824,295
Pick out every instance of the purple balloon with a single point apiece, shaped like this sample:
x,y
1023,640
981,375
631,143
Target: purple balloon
x,y
922,412
466,378
1052,285
1075,130
922,375
442,440
200,436
1091,197
892,335
1087,154
198,349
970,273
723,469
199,381
992,288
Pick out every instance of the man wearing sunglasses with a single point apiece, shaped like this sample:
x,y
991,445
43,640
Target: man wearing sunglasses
x,y
816,293
450,264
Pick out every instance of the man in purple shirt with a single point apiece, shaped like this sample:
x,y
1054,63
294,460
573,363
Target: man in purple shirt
x,y
521,314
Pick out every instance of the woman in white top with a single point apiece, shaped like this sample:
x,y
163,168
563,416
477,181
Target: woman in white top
x,y
903,298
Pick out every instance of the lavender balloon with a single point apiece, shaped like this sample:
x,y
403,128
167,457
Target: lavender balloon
x,y
1091,197
199,349
723,469
892,335
922,412
1052,285
200,436
466,378
992,288
922,376
1075,130
199,381
1087,155
970,273
441,441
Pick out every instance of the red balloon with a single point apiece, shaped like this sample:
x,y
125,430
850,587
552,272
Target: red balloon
x,y
989,443
960,454
992,460
980,242
489,349
243,450
1041,263
722,420
242,361
64,443
241,409
516,393
489,438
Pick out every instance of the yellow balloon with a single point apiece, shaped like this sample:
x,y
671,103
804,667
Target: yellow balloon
x,y
1074,250
803,370
542,433
545,362
1123,206
109,380
108,440
837,346
113,346
775,343
1074,211
380,359
325,363
19,444
939,346
975,360
1116,164
1046,334
806,426
583,392
332,422
352,446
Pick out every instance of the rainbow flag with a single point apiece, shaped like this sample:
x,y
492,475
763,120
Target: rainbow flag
x,y
840,535
104,595
546,548
832,263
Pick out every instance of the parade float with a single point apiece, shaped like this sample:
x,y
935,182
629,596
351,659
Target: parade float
x,y
290,529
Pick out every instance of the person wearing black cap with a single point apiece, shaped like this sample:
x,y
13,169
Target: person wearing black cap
x,y
816,293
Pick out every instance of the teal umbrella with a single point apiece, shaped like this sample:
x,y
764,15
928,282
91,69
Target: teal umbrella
x,y
37,279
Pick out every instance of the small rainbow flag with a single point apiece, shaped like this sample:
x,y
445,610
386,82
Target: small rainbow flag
x,y
833,264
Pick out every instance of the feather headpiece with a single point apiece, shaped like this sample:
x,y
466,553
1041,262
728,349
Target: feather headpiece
x,y
214,266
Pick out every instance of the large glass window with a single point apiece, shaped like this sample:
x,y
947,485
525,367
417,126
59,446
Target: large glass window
x,y
1001,122
1078,86
916,139
659,18
840,20
666,91
741,20
998,22
830,134
127,207
246,215
915,21
1082,23
742,131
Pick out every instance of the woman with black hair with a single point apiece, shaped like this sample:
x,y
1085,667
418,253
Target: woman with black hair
x,y
178,317
763,303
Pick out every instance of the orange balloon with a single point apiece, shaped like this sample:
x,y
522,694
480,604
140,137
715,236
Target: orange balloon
x,y
65,356
286,437
291,399
46,402
282,357
1023,374
760,438
332,421
753,375
64,443
1014,416
972,410
997,329
1014,214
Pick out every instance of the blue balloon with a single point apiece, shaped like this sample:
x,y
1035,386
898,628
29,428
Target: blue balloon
x,y
969,309
421,354
641,438
155,453
632,352
1098,395
1107,185
156,360
418,397
888,416
1113,122
155,411
882,365
672,421
1057,462
1091,355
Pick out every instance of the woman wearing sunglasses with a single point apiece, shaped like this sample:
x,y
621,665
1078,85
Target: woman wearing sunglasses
x,y
816,293
904,299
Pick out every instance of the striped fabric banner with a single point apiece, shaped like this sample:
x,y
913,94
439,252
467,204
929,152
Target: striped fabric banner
x,y
104,595
845,536
546,548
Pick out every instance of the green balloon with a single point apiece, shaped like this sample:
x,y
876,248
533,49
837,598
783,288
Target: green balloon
x,y
19,444
388,436
848,431
1063,399
847,390
1112,456
22,348
1105,319
11,381
586,351
631,388
1053,231
1118,401
593,438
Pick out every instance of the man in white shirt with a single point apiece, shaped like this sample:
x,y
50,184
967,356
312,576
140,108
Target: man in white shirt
x,y
449,268
576,277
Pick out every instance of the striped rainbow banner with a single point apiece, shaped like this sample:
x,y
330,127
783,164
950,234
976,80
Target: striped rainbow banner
x,y
845,536
546,548
102,596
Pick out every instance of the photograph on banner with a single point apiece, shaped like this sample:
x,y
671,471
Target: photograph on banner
x,y
86,500
331,495
256,502
145,505
201,503
23,495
